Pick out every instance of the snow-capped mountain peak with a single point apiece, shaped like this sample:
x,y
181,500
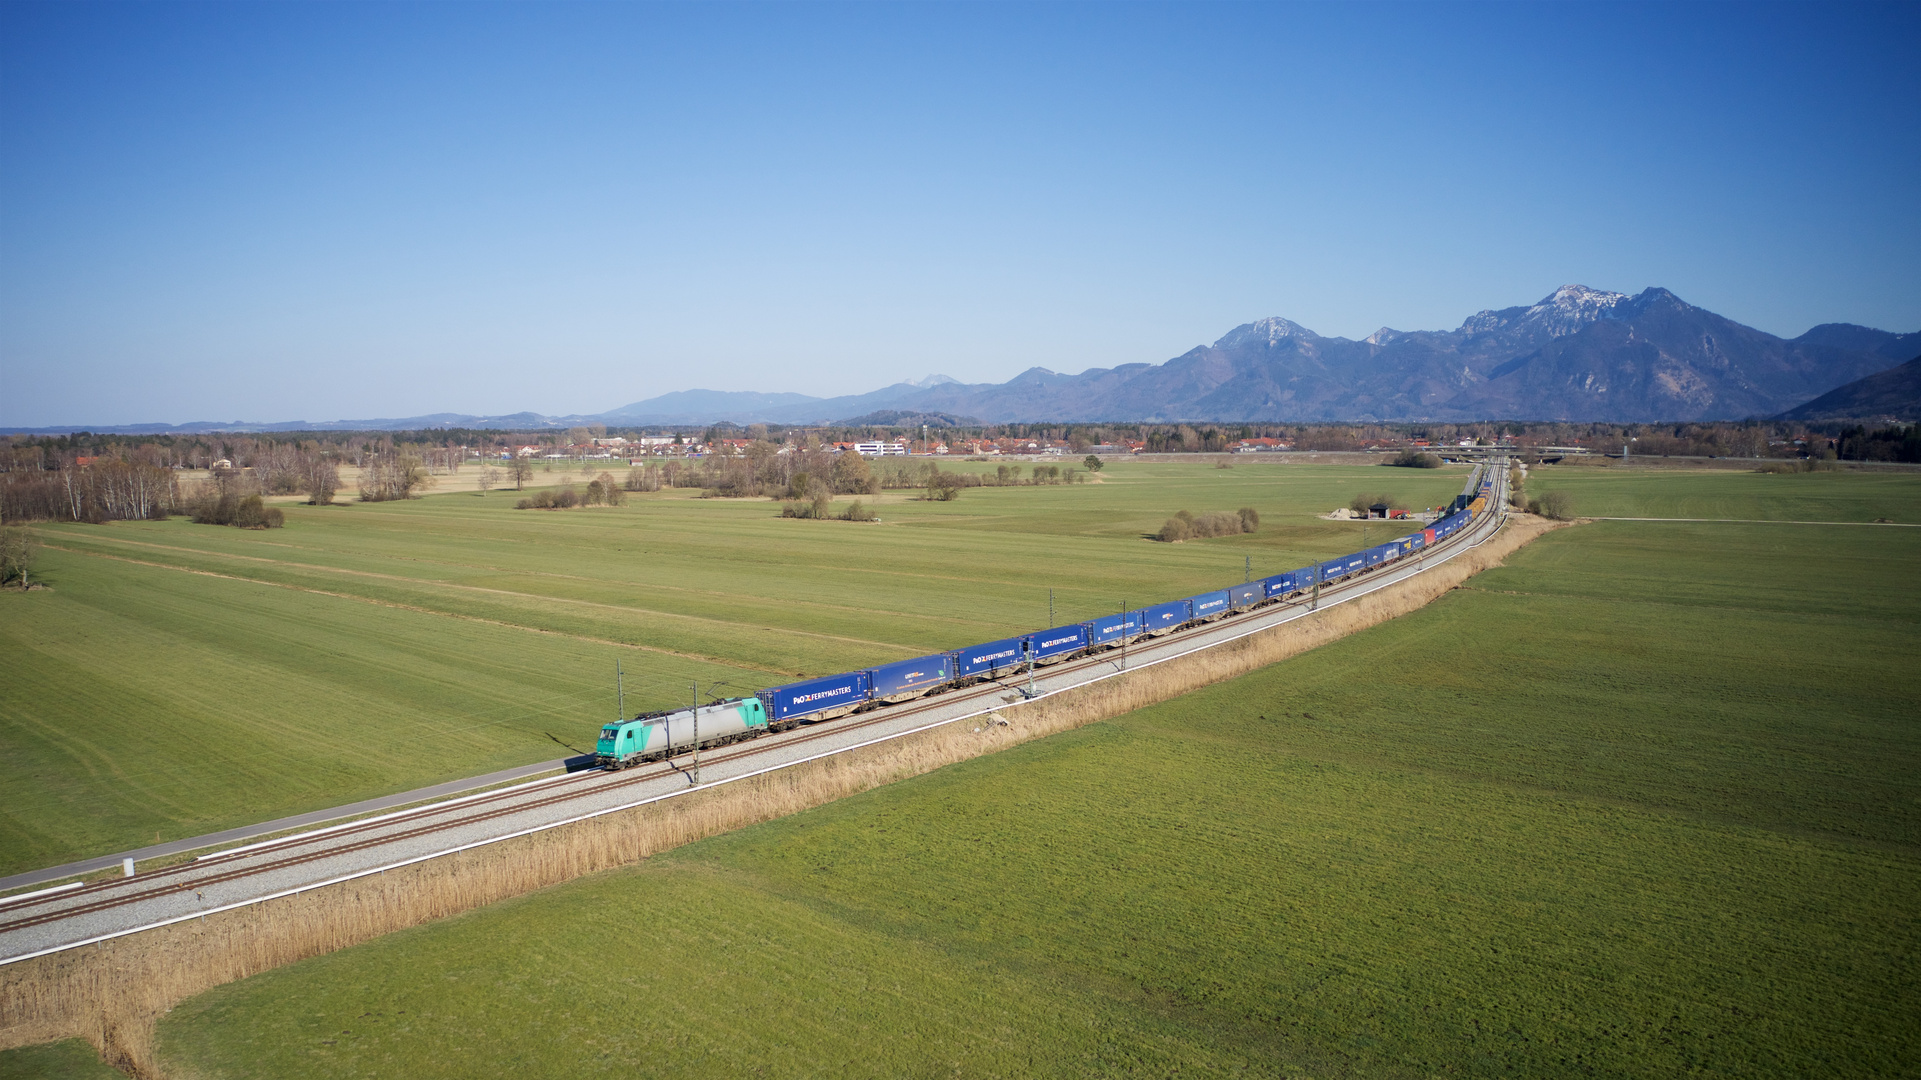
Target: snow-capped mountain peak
x,y
1571,307
935,379
1269,332
1560,313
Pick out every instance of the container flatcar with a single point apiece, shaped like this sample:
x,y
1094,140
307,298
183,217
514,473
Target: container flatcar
x,y
816,699
984,661
1165,618
904,680
1113,629
1052,646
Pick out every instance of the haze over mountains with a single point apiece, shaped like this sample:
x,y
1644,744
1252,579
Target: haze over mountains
x,y
1579,354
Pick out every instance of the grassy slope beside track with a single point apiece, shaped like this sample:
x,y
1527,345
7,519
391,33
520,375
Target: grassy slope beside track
x,y
1644,802
179,679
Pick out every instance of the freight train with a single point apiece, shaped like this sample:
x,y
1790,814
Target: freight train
x,y
656,736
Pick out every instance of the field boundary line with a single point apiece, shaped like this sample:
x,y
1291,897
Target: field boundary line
x,y
1295,615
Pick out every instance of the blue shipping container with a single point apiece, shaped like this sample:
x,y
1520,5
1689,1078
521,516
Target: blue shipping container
x,y
1244,596
815,695
1282,584
1060,641
1343,566
1110,629
994,655
1164,617
1210,605
911,676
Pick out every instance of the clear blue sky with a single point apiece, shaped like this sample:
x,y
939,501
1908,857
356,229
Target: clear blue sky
x,y
287,211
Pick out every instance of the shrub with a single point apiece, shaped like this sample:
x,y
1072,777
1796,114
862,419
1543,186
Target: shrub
x,y
560,498
820,506
1185,526
1555,504
1094,463
602,490
858,512
240,511
1415,459
944,486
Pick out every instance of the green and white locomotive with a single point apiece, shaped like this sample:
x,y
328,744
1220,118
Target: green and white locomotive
x,y
656,736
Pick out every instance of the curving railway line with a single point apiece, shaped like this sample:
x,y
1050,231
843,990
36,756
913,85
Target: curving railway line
x,y
66,917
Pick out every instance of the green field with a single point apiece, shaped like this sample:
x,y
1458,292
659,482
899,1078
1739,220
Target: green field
x,y
179,679
1645,802
69,1059
1849,496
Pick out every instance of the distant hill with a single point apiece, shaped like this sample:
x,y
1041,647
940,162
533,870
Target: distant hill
x,y
1894,394
1894,348
684,407
905,419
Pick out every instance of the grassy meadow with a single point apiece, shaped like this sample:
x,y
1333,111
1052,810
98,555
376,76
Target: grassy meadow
x,y
69,1059
1644,802
177,679
1612,491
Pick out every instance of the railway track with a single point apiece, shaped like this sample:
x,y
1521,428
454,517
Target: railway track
x,y
39,923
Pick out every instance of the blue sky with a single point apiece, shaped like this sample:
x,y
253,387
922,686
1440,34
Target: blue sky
x,y
287,211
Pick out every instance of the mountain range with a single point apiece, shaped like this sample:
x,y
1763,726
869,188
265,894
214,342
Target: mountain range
x,y
1579,354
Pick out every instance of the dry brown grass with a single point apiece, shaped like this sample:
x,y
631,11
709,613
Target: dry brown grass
x,y
112,993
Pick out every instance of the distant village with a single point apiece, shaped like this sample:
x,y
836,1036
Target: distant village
x,y
645,447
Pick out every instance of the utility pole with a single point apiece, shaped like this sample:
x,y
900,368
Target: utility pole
x,y
620,695
1314,604
1028,647
1247,569
696,733
1050,607
1123,635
